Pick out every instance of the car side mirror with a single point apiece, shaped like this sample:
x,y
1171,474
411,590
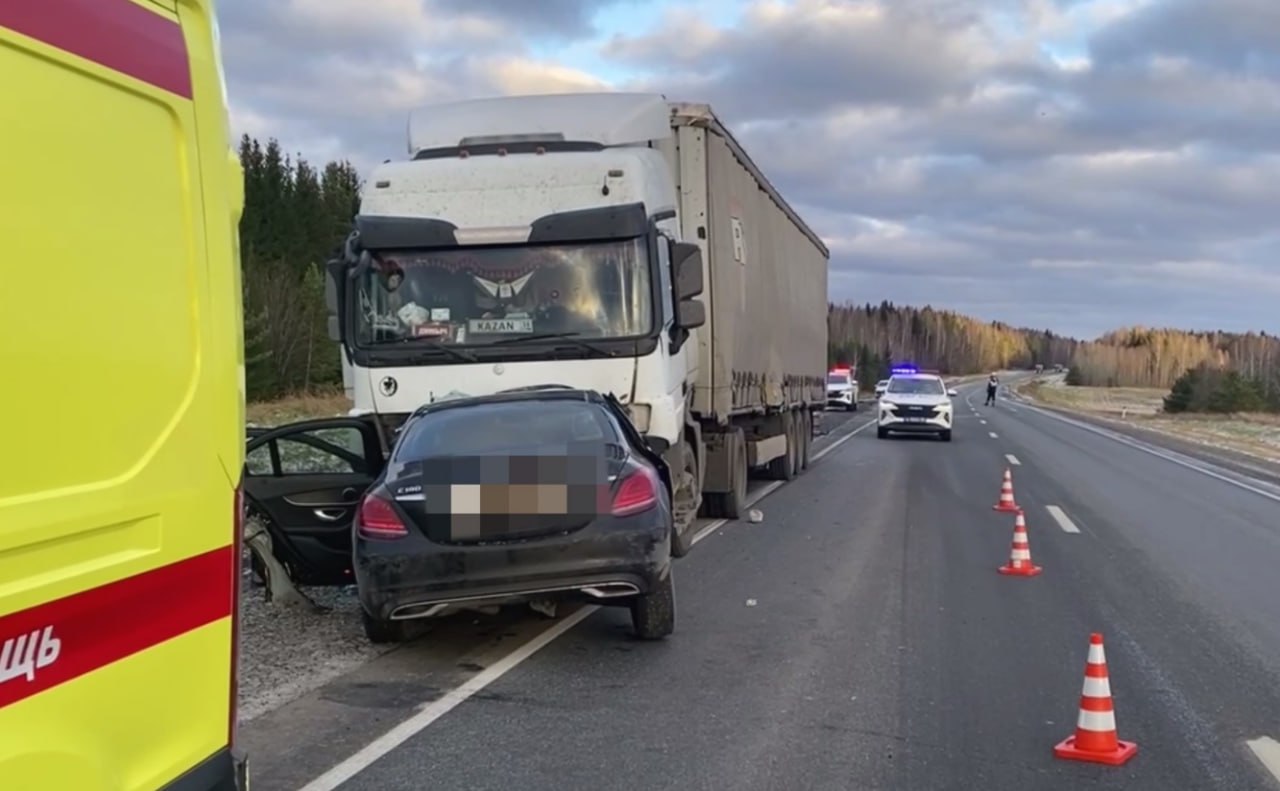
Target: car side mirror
x,y
686,259
953,392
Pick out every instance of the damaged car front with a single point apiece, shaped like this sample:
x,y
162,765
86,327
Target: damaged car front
x,y
525,496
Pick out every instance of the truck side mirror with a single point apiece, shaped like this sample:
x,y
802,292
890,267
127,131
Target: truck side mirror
x,y
686,259
335,282
690,314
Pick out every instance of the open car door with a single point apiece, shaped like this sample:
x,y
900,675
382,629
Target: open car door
x,y
307,480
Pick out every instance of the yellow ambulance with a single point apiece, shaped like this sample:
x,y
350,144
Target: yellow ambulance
x,y
122,384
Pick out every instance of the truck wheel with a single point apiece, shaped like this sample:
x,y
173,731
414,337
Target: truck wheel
x,y
806,439
797,431
683,503
653,614
783,467
730,504
380,632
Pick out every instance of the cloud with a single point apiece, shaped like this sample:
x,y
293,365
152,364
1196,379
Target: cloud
x,y
1074,164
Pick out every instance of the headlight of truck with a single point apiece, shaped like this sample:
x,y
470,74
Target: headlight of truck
x,y
639,416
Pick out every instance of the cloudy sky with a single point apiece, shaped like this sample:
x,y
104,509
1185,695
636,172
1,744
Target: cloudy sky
x,y
1065,164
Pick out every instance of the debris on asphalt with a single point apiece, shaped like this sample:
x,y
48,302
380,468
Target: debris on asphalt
x,y
755,516
751,602
286,652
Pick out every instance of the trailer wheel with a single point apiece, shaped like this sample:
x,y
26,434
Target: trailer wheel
x,y
783,468
797,442
806,439
731,504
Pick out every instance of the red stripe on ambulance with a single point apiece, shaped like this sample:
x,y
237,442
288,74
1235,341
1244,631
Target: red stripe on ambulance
x,y
118,34
57,642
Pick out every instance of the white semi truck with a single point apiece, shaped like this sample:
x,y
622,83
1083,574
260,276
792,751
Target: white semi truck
x,y
616,242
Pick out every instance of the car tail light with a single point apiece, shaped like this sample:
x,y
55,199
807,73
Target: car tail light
x,y
378,519
638,492
237,552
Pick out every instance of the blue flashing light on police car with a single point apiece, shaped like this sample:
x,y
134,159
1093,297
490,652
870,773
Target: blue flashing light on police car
x,y
904,368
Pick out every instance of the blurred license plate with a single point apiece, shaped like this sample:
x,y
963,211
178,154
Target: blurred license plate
x,y
914,419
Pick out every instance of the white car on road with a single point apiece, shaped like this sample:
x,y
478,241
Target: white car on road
x,y
915,403
842,389
881,386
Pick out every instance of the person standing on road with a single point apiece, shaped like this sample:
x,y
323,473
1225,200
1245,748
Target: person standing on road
x,y
992,384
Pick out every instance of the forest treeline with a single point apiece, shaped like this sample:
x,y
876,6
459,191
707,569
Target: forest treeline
x,y
876,336
296,216
1214,371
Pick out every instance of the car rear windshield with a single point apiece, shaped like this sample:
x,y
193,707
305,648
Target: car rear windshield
x,y
543,427
916,386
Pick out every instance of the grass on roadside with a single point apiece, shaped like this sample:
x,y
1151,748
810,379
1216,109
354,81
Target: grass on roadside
x,y
1252,434
304,406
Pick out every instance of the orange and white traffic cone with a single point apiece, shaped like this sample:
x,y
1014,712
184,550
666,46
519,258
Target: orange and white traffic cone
x,y
1020,564
1095,739
1006,503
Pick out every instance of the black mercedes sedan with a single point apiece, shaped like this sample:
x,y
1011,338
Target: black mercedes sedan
x,y
541,493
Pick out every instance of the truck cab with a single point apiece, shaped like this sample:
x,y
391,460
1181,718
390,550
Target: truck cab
x,y
524,243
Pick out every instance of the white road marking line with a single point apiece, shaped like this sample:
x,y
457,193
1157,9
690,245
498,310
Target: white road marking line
x,y
433,711
983,422
1012,459
994,435
1062,519
1268,752
429,713
1181,462
1011,409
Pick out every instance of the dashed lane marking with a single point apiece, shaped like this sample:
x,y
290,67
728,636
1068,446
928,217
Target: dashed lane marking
x,y
1012,459
1064,521
994,435
1267,751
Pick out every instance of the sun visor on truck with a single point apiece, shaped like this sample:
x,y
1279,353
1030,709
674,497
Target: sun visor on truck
x,y
402,233
625,221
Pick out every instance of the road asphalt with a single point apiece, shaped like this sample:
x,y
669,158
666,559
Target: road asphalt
x,y
859,637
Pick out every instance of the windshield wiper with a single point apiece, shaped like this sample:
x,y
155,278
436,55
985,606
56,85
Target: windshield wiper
x,y
571,337
438,346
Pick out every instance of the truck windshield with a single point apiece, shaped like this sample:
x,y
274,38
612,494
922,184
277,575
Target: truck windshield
x,y
475,296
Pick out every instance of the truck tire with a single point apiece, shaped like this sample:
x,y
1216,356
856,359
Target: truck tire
x,y
797,442
731,504
653,614
806,439
681,499
783,467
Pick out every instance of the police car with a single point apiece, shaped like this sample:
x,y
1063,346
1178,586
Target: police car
x,y
915,402
842,390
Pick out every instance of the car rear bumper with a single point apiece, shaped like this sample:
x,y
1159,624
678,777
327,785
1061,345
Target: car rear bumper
x,y
414,577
